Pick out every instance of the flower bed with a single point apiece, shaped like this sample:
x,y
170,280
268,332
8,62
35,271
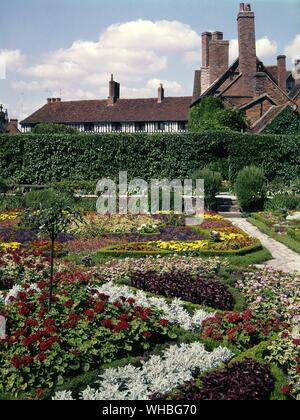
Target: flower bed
x,y
247,380
173,312
285,352
181,285
271,293
81,331
159,374
242,329
18,266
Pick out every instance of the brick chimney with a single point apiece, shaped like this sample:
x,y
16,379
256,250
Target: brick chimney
x,y
14,122
161,93
218,56
247,48
206,38
297,72
114,91
281,71
53,100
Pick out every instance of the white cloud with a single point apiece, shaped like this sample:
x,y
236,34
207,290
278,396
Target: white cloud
x,y
144,34
292,51
264,48
193,57
10,60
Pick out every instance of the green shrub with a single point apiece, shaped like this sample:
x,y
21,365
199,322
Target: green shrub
x,y
211,114
251,188
282,201
287,122
41,199
212,185
11,202
220,165
46,158
50,128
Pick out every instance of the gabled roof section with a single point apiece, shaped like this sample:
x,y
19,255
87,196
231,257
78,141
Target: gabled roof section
x,y
294,93
124,110
267,118
256,101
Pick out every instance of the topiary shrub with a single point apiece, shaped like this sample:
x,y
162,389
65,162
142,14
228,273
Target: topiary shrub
x,y
212,186
41,199
282,201
251,189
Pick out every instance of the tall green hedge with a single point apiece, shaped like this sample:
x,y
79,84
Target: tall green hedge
x,y
41,158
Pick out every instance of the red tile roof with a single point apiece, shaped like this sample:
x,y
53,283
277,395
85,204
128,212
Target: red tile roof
x,y
124,110
12,128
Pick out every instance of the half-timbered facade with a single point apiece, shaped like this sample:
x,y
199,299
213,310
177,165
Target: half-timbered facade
x,y
116,115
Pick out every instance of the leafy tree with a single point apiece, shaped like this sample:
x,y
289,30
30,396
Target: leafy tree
x,y
210,114
50,128
50,222
251,188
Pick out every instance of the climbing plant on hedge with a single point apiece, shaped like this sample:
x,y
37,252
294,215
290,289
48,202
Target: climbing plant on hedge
x,y
287,122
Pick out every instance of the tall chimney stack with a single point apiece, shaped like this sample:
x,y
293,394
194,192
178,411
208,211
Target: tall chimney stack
x,y
281,71
114,91
161,93
247,48
218,56
206,38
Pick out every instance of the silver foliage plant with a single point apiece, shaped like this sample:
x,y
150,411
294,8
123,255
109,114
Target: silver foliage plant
x,y
158,374
174,312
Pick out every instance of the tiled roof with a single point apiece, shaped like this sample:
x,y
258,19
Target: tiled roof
x,y
12,128
124,110
294,92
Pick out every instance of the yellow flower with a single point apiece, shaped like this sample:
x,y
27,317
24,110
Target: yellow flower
x,y
10,245
9,216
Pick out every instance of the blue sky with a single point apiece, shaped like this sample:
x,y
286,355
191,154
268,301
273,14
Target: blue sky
x,y
69,48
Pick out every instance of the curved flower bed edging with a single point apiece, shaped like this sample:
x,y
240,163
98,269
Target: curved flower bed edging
x,y
159,374
246,380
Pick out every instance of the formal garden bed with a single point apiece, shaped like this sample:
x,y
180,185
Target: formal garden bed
x,y
170,325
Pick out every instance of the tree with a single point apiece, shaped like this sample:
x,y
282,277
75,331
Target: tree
x,y
210,114
51,128
251,188
51,222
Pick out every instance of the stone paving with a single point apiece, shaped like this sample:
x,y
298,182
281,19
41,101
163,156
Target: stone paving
x,y
284,259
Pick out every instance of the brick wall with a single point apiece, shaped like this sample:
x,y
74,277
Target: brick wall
x,y
218,58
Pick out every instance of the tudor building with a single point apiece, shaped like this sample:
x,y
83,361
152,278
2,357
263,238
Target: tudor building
x,y
149,115
261,91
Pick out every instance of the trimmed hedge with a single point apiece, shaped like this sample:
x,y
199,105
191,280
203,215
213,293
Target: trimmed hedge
x,y
42,158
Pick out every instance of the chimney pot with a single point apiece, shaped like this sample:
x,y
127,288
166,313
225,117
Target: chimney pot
x,y
114,91
206,38
242,7
49,100
217,36
248,8
161,93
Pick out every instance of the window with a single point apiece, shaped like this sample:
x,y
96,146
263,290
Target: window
x,y
182,126
160,126
89,126
117,127
140,127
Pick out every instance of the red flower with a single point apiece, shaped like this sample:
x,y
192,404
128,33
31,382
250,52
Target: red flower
x,y
69,303
99,307
107,323
40,392
122,325
286,389
41,357
21,296
32,322
296,342
147,334
131,301
123,317
285,334
16,362
298,369
164,322
265,331
48,323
